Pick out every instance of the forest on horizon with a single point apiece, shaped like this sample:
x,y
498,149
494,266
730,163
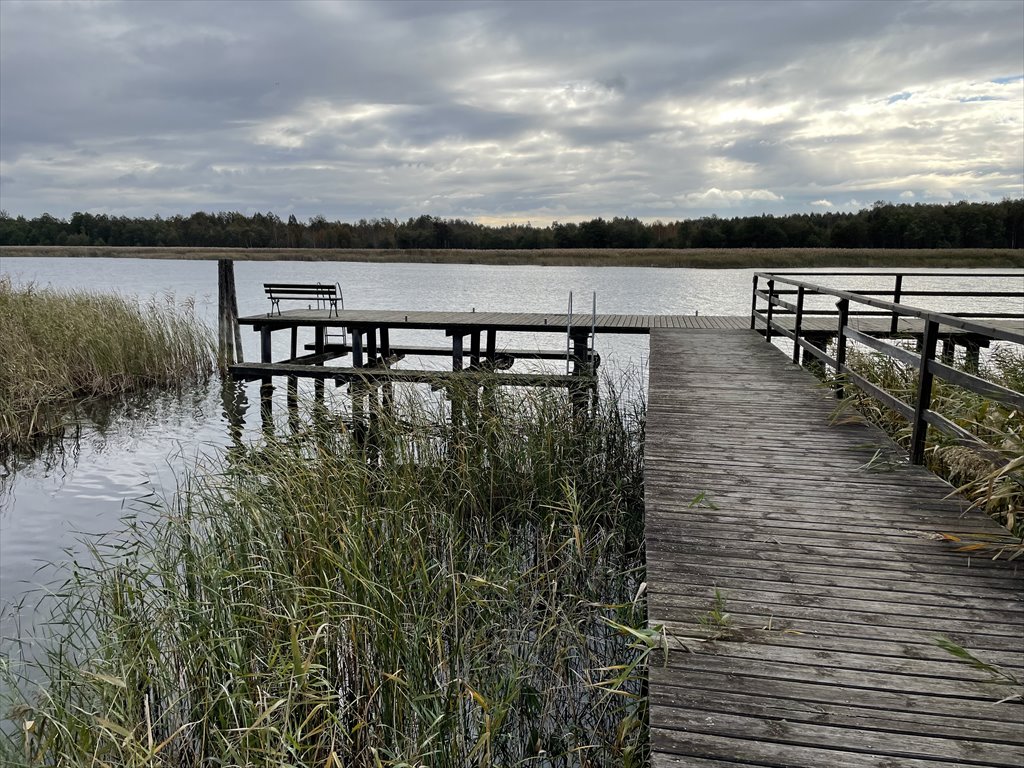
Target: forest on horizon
x,y
884,225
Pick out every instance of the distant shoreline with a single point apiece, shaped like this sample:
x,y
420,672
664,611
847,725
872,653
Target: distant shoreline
x,y
719,258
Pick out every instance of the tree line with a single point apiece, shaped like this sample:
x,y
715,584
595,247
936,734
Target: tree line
x,y
884,225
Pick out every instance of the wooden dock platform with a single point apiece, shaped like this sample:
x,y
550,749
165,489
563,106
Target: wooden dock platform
x,y
825,548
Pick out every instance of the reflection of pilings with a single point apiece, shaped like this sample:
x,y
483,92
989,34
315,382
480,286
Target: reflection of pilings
x,y
235,404
292,400
229,336
357,392
267,407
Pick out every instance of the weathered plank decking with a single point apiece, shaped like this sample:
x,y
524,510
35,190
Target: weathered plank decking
x,y
555,322
824,547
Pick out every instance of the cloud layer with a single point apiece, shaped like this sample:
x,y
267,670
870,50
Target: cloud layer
x,y
507,111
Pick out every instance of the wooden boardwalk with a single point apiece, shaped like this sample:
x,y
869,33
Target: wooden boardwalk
x,y
500,321
555,322
824,547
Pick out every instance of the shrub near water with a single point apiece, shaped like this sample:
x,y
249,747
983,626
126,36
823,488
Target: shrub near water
x,y
61,348
447,597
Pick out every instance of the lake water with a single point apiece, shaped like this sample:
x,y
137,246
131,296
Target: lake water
x,y
46,506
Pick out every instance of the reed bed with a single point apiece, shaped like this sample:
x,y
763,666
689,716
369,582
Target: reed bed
x,y
65,348
997,490
437,592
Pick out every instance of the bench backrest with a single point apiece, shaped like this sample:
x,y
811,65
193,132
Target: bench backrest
x,y
300,291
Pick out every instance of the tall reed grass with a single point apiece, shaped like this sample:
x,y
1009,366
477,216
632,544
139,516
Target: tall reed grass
x,y
440,593
1000,492
63,348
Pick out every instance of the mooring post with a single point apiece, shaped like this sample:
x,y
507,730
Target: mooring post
x,y
229,335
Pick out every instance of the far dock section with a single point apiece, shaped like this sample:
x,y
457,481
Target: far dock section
x,y
470,339
799,570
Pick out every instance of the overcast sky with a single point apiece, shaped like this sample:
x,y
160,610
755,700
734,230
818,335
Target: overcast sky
x,y
507,111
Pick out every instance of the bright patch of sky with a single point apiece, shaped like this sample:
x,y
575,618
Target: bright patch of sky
x,y
523,111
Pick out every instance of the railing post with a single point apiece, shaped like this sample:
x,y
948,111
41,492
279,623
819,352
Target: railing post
x,y
924,392
897,292
771,303
753,305
843,305
798,323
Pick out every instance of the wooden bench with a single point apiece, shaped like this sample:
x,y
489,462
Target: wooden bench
x,y
325,296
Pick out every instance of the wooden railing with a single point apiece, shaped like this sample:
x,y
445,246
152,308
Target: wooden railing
x,y
928,328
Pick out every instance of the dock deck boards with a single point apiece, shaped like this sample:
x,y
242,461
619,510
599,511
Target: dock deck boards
x,y
555,322
824,545
501,321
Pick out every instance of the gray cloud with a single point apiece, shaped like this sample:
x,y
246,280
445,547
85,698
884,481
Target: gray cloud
x,y
502,111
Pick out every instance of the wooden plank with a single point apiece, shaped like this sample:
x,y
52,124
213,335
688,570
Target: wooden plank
x,y
781,733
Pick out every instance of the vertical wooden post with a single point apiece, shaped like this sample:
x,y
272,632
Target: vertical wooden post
x,y
753,305
357,348
492,345
844,316
385,342
474,349
580,358
319,333
229,336
371,345
897,293
267,406
924,392
798,323
771,299
456,351
266,355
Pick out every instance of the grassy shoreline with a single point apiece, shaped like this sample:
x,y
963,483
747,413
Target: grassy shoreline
x,y
768,258
458,594
66,349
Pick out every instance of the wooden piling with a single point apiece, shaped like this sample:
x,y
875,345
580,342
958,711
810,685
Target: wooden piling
x,y
229,335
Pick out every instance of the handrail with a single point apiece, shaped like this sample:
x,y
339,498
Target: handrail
x,y
919,413
903,310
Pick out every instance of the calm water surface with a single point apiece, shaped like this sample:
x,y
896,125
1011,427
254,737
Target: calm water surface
x,y
140,454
